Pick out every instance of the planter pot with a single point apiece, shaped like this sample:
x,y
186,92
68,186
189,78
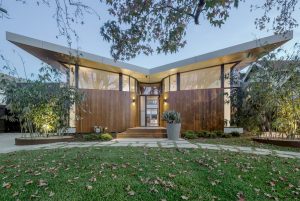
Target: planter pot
x,y
173,131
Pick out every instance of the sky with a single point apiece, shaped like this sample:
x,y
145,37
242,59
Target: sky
x,y
38,22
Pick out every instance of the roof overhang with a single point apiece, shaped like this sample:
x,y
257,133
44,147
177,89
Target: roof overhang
x,y
57,55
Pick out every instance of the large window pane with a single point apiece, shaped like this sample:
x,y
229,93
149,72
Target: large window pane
x,y
201,79
173,82
125,83
227,107
150,89
166,84
132,85
97,79
228,73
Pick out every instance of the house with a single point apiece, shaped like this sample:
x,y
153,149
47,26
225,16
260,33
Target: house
x,y
120,96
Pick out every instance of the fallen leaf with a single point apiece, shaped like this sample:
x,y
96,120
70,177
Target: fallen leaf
x,y
6,185
88,187
42,183
184,197
131,193
28,182
51,194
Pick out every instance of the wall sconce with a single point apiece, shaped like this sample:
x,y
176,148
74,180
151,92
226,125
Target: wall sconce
x,y
165,100
133,100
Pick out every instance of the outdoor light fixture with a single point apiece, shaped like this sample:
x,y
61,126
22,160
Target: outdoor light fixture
x,y
165,100
133,100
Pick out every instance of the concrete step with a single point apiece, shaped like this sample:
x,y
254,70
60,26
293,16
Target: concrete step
x,y
141,135
147,130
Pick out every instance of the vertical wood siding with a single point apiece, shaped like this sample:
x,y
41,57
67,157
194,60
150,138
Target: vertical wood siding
x,y
201,109
112,109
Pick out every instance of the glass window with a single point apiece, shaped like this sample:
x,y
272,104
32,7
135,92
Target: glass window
x,y
98,79
173,83
227,107
229,74
72,75
167,84
125,83
132,85
150,89
201,79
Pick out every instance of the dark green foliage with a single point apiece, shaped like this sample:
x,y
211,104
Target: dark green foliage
x,y
235,134
218,133
190,134
91,137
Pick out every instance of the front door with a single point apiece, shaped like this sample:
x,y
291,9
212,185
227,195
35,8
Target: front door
x,y
149,110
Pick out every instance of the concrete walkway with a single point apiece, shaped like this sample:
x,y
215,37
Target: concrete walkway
x,y
7,145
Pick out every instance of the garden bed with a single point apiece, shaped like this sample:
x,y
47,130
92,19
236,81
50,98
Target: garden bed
x,y
278,142
43,140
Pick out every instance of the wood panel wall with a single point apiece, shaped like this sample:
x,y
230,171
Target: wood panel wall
x,y
200,109
112,109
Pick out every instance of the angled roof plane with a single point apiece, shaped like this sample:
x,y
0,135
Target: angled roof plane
x,y
57,56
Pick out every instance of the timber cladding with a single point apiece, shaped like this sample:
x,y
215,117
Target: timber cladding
x,y
200,109
107,108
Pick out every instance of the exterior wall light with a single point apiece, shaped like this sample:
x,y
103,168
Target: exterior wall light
x,y
165,100
133,100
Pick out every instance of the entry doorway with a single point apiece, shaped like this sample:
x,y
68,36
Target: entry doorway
x,y
149,111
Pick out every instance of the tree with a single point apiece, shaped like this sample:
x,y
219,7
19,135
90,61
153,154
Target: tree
x,y
269,99
139,26
41,105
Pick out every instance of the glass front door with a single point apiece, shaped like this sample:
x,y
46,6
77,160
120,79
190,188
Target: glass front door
x,y
149,110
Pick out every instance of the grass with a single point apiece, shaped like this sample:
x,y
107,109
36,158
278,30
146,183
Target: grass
x,y
243,141
129,173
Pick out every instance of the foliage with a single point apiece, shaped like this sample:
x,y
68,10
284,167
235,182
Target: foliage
x,y
190,134
106,137
135,27
171,117
235,134
97,136
269,99
42,104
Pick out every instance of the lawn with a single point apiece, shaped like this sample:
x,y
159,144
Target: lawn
x,y
243,141
115,173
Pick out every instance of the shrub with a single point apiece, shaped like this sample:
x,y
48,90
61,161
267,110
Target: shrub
x,y
226,135
106,137
235,134
212,135
202,133
190,134
91,137
219,133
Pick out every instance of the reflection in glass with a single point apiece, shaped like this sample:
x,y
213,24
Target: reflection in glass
x,y
125,83
150,89
201,79
166,84
173,82
97,79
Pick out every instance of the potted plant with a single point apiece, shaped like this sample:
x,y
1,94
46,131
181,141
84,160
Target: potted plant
x,y
173,124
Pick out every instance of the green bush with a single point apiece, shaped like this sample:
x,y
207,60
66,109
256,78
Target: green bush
x,y
190,134
226,135
202,133
106,137
219,133
235,134
91,137
212,135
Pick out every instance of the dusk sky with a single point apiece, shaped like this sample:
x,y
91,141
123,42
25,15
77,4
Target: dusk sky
x,y
38,22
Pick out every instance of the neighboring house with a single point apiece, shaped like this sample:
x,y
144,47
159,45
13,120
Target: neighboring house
x,y
121,95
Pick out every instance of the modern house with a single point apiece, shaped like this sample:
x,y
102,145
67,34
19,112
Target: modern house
x,y
120,96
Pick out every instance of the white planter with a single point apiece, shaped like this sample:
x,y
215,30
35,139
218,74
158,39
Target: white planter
x,y
173,131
